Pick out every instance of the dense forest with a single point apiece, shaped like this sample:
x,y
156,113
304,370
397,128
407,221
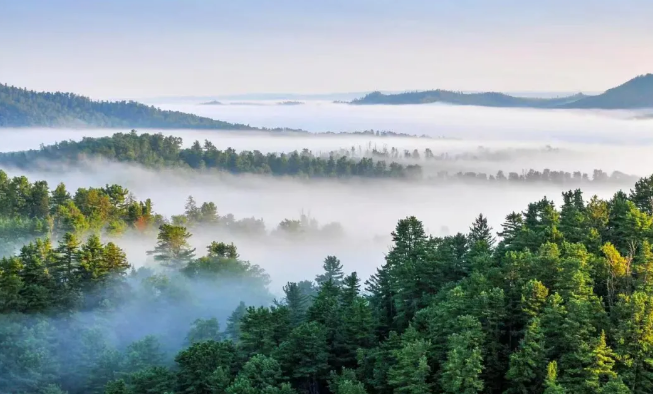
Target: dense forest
x,y
156,150
559,300
635,93
27,108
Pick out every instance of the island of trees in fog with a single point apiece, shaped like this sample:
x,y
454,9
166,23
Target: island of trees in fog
x,y
156,150
561,302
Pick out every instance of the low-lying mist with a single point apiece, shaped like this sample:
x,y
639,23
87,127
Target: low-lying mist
x,y
350,217
367,209
466,122
483,140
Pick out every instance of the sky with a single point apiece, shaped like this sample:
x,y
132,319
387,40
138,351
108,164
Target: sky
x,y
147,48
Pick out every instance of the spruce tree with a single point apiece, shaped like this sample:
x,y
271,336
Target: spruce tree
x,y
461,372
525,373
332,271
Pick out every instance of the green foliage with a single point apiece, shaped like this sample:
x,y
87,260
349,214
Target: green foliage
x,y
525,373
197,363
156,150
152,380
464,364
563,303
22,108
172,248
204,330
332,271
304,354
410,372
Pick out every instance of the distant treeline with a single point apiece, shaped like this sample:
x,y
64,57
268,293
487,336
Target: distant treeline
x,y
533,176
155,150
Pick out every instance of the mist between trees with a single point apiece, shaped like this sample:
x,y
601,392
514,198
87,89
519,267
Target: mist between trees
x,y
370,161
559,302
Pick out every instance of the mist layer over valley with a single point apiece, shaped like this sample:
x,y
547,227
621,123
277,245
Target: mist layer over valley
x,y
436,120
213,222
460,140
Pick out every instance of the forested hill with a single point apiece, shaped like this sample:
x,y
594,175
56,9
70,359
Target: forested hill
x,y
487,99
27,108
636,93
157,150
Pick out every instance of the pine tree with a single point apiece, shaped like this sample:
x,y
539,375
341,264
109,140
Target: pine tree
x,y
551,381
642,195
232,331
464,363
634,339
332,271
197,363
260,373
143,354
356,330
262,330
573,217
221,249
204,330
304,356
172,248
381,299
117,387
345,383
296,302
60,197
533,299
480,234
600,370
152,380
525,373
193,213
410,373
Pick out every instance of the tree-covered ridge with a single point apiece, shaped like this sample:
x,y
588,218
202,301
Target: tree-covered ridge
x,y
28,108
157,150
635,93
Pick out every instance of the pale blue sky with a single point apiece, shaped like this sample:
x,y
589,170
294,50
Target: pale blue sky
x,y
137,48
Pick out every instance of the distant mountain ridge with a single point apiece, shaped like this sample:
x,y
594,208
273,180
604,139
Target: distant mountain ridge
x,y
634,94
27,108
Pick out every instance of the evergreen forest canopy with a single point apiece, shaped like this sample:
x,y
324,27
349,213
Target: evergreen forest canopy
x,y
156,150
559,300
634,94
27,108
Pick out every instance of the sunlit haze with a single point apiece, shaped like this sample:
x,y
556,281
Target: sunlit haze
x,y
146,48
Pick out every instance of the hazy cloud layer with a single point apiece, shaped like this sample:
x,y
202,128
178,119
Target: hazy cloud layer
x,y
488,140
368,210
